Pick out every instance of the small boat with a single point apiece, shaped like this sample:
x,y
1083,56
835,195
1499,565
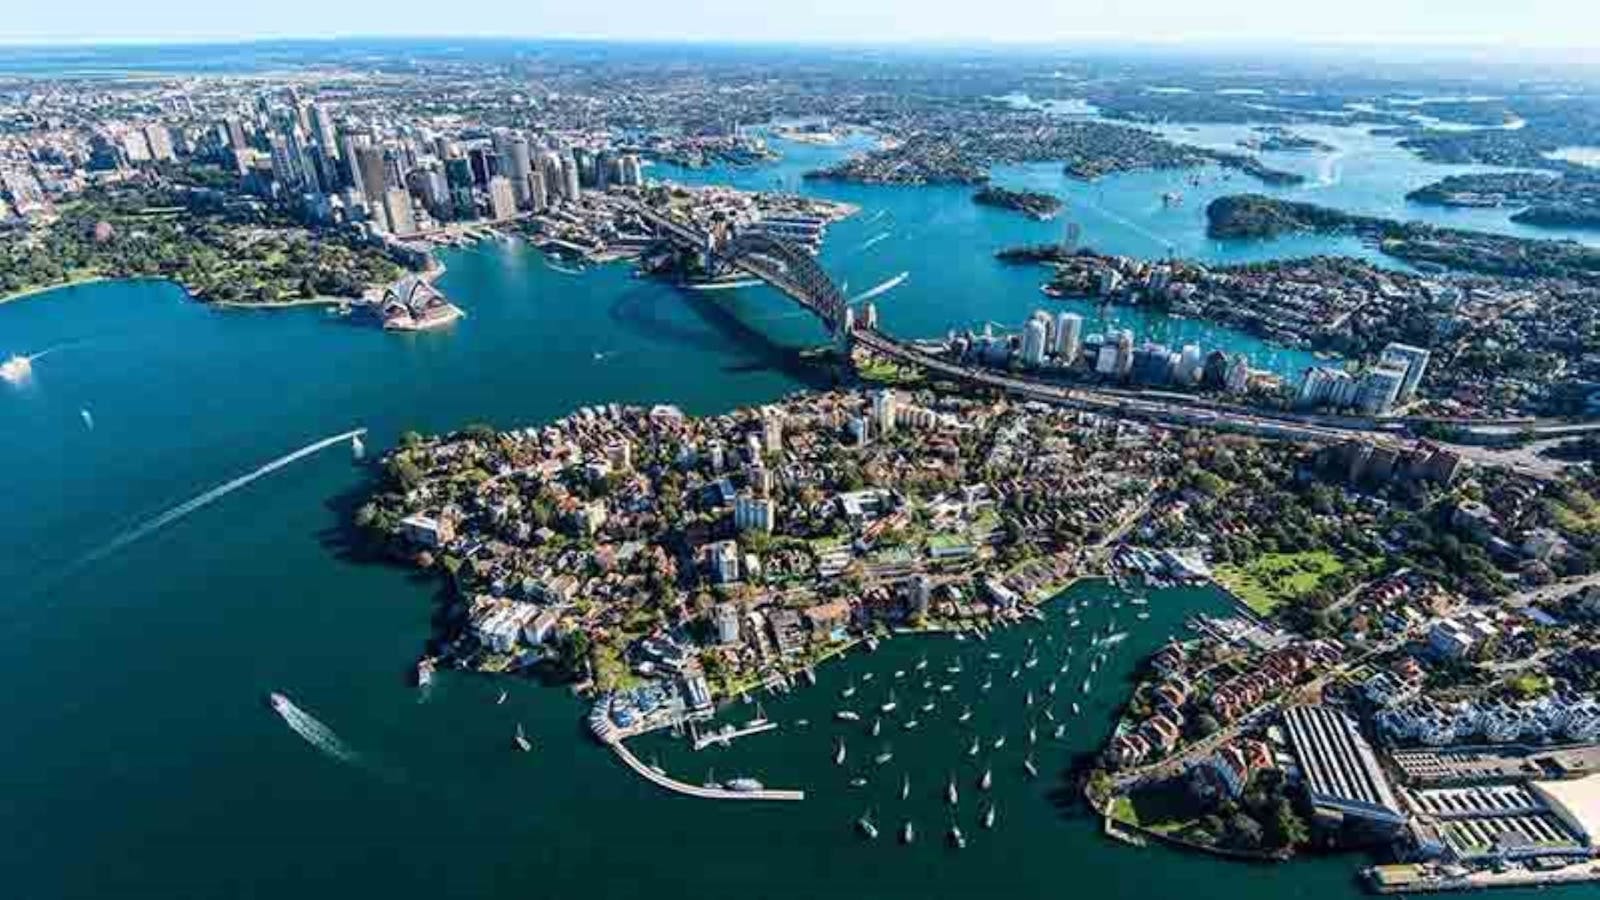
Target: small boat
x,y
908,832
867,677
858,782
656,767
922,663
927,684
521,740
1015,674
745,785
849,690
973,750
1033,735
838,752
810,675
1049,714
993,654
987,683
1084,688
1050,688
957,839
905,787
802,723
899,673
1060,730
927,707
1075,709
1142,616
847,715
865,826
999,742
1030,662
711,782
1033,771
890,704
946,688
910,724
883,757
954,668
966,713
1064,665
501,699
988,816
872,644
1028,700
986,781
951,796
877,727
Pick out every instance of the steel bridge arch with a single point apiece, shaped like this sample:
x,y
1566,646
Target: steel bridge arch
x,y
791,268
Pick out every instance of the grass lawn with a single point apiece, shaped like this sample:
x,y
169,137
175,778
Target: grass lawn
x,y
1269,581
1164,808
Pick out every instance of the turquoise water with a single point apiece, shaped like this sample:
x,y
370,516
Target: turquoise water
x,y
139,759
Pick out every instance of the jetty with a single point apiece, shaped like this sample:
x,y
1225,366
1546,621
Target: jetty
x,y
729,735
704,793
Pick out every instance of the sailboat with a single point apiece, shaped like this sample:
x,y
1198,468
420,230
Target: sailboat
x,y
1033,771
957,839
849,689
1028,701
1050,688
877,727
890,704
838,753
905,787
883,757
1060,730
922,663
521,740
927,707
987,780
358,450
999,742
908,832
502,698
973,750
966,713
950,794
865,826
1033,735
988,816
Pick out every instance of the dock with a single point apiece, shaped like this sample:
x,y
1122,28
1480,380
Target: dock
x,y
729,736
689,790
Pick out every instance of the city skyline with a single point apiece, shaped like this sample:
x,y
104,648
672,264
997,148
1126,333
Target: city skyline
x,y
1543,24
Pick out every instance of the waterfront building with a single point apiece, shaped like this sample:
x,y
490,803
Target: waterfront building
x,y
1238,379
502,198
1411,360
1341,771
1035,339
869,315
555,183
1325,386
752,513
1069,337
538,192
1190,362
1105,362
772,430
1124,344
1152,364
630,171
516,162
427,531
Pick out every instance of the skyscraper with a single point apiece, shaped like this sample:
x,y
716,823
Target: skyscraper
x,y
1035,336
1069,337
370,174
516,161
397,207
322,126
502,198
569,178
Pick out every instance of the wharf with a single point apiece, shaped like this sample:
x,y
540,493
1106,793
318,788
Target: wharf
x,y
727,737
1419,879
689,790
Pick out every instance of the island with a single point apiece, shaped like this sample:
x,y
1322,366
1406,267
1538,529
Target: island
x,y
1035,204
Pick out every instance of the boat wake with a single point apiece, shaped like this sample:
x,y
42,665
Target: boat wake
x,y
88,418
876,239
217,493
881,289
877,216
313,731
1330,171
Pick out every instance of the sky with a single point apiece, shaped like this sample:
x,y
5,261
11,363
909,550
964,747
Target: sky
x,y
1501,24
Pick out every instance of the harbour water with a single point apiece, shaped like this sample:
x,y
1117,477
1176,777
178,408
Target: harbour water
x,y
141,759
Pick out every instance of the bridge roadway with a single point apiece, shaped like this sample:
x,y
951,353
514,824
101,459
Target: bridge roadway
x,y
689,790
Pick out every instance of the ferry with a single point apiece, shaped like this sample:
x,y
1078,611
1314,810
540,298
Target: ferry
x,y
988,816
746,785
907,833
521,740
950,794
957,839
847,715
280,703
865,826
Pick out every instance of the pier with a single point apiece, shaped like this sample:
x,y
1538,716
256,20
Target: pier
x,y
704,793
727,737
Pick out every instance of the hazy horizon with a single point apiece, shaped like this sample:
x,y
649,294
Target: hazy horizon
x,y
1502,29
